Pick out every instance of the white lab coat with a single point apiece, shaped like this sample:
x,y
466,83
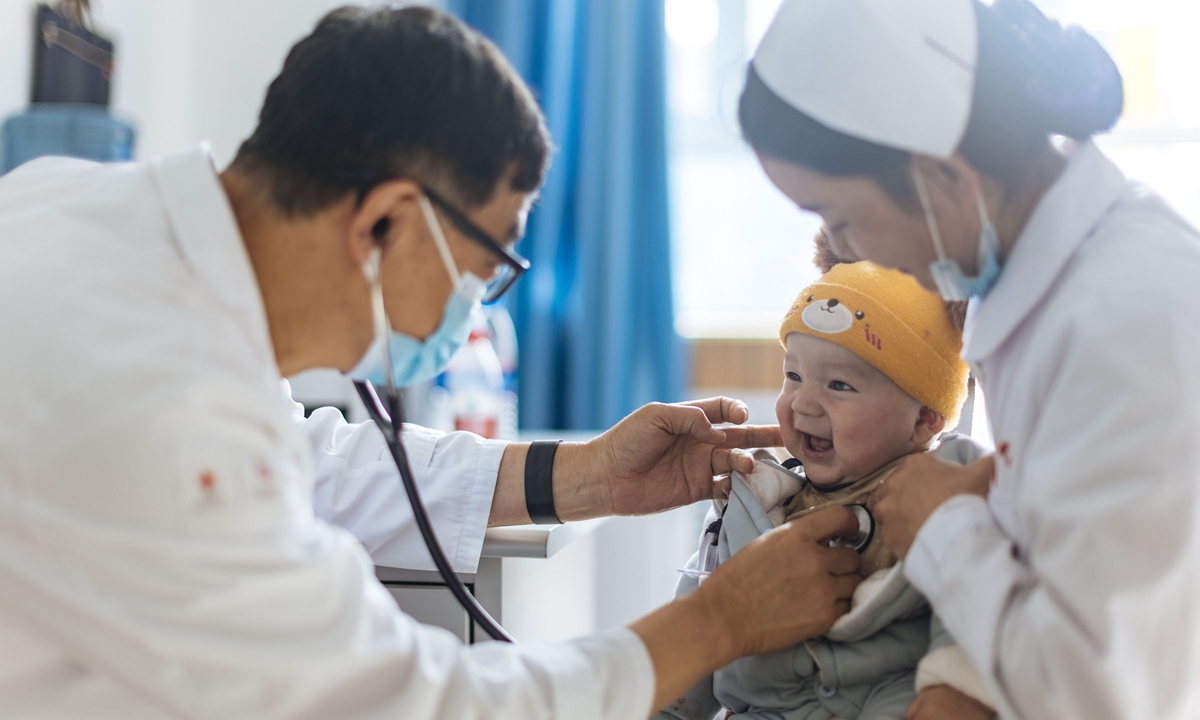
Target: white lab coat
x,y
357,487
159,554
1075,587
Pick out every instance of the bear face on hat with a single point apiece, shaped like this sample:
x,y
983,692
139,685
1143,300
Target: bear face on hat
x,y
831,316
886,318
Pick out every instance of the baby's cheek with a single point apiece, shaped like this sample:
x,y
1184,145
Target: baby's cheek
x,y
854,451
783,415
864,448
878,442
783,409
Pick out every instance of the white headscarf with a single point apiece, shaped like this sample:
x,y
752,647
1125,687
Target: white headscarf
x,y
898,73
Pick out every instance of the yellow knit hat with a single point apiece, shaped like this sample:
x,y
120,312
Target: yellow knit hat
x,y
886,318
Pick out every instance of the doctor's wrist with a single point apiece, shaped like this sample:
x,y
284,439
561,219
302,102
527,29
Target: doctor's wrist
x,y
579,492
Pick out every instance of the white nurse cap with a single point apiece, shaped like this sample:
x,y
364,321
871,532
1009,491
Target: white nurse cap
x,y
898,73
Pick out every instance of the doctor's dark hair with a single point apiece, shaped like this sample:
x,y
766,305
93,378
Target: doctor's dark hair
x,y
1033,79
385,92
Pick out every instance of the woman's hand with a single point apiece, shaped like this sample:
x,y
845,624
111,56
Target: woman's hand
x,y
918,486
659,457
942,702
785,587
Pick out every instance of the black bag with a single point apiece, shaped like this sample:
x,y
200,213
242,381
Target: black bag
x,y
71,64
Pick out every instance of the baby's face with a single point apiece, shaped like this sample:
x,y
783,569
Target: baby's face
x,y
840,416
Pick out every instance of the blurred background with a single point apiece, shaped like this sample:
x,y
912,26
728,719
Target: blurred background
x,y
662,258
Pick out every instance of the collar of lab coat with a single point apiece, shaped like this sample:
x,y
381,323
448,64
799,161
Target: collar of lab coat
x,y
208,236
1066,216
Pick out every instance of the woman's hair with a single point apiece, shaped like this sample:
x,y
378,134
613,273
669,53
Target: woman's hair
x,y
825,258
1033,79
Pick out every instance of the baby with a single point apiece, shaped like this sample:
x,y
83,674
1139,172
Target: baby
x,y
872,374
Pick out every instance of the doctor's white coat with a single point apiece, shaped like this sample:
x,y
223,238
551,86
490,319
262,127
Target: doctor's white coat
x,y
1075,587
159,552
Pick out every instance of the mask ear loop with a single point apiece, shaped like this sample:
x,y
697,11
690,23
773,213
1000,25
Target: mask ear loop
x,y
923,196
379,313
988,242
439,239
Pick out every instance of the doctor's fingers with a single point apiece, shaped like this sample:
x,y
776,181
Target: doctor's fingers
x,y
673,420
827,524
725,461
843,561
722,409
753,436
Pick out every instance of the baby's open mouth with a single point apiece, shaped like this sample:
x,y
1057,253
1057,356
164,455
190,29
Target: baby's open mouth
x,y
817,445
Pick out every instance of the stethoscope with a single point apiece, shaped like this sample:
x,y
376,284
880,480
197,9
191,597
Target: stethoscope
x,y
390,421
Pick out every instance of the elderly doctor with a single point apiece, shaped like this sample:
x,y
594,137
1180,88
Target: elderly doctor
x,y
1067,566
159,552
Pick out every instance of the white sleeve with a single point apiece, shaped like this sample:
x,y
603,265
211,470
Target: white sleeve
x,y
358,487
1097,617
206,585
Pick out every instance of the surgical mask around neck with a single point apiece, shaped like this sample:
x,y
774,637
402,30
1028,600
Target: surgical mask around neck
x,y
947,273
412,361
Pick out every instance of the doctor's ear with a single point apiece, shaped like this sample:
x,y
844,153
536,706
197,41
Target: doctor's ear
x,y
382,212
380,231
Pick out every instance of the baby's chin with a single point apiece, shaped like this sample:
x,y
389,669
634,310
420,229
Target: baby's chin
x,y
823,477
830,471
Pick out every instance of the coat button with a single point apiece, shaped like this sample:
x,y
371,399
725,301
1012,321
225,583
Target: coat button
x,y
825,691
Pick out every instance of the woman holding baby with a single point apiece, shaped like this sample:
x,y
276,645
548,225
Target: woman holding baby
x,y
951,140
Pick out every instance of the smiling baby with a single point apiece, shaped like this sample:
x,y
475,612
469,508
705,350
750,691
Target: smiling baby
x,y
872,374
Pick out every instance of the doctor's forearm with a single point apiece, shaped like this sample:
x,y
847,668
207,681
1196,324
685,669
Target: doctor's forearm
x,y
577,495
508,502
686,641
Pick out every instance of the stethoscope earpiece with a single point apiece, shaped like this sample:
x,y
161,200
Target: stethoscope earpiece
x,y
380,231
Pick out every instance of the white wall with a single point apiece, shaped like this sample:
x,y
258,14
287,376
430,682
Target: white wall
x,y
621,572
186,70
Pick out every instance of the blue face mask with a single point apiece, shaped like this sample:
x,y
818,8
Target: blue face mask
x,y
947,273
410,360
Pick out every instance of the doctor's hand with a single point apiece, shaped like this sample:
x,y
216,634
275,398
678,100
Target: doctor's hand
x,y
942,702
659,457
785,587
918,487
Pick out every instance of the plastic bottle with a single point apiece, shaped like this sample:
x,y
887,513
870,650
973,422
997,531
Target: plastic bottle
x,y
474,385
504,340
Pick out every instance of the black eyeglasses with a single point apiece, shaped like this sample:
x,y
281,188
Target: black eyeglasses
x,y
513,265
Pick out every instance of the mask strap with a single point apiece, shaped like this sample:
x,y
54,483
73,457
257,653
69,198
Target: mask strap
x,y
928,208
439,239
987,240
983,213
379,313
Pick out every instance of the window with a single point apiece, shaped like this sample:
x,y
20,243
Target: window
x,y
1154,44
742,250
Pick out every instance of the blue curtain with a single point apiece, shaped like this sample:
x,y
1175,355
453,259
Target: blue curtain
x,y
595,315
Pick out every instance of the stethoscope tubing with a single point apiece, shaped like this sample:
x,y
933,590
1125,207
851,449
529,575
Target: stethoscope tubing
x,y
391,434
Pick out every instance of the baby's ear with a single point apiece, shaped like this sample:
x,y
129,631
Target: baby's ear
x,y
929,424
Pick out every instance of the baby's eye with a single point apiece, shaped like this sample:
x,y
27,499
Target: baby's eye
x,y
792,376
840,386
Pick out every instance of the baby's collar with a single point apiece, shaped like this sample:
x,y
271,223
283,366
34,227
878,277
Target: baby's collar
x,y
797,471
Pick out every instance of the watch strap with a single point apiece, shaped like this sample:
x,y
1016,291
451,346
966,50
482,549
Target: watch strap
x,y
539,482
